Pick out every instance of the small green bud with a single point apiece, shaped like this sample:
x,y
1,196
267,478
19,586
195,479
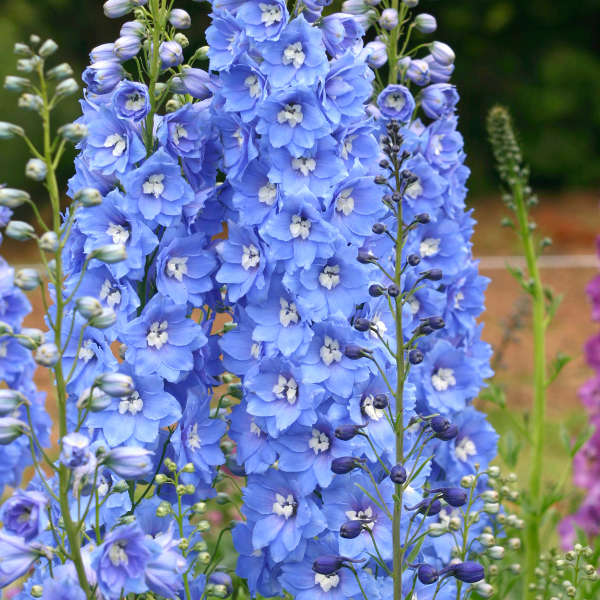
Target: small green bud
x,y
88,197
489,496
204,558
188,468
30,102
170,464
37,591
68,87
48,48
227,327
163,509
49,242
13,198
570,556
9,130
190,488
589,569
491,508
127,519
60,72
74,132
181,39
13,83
222,498
515,568
514,543
161,478
467,481
21,49
183,544
180,489
203,526
120,486
494,471
496,552
200,546
199,507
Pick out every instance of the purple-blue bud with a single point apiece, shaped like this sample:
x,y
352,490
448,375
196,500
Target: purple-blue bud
x,y
171,54
328,564
223,580
448,434
432,274
393,290
413,260
436,322
127,47
180,19
354,352
453,496
344,464
388,19
362,324
376,54
366,257
195,82
422,218
351,529
133,28
442,53
347,432
114,9
419,72
75,450
380,401
398,474
425,23
415,356
376,290
439,424
439,73
427,574
468,571
428,507
379,228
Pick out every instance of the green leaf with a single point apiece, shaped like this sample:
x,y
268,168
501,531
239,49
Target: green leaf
x,y
415,550
561,359
509,449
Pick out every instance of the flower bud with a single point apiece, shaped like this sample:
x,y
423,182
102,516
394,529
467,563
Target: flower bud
x,y
485,590
377,54
442,53
491,508
496,552
427,574
195,82
10,400
362,324
171,54
180,19
199,507
60,72
415,356
418,72
366,257
28,65
75,450
129,462
31,102
468,571
5,328
35,169
13,83
351,529
347,432
413,260
9,130
27,279
448,434
94,400
127,46
425,23
133,28
88,197
47,354
111,253
114,9
393,290
453,496
163,509
490,496
437,530
221,583
428,507
48,48
49,242
398,474
328,564
21,49
388,19
31,338
410,3
11,429
107,318
73,132
355,352
376,290
432,274
68,87
37,591
514,543
13,198
344,464
486,539
115,384
88,306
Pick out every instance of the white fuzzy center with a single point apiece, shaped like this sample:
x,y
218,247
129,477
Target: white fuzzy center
x,y
117,554
465,448
253,85
284,507
193,439
286,389
327,582
293,55
111,295
117,143
267,194
299,227
250,257
118,233
329,277
270,14
157,334
154,185
177,267
290,114
442,379
344,202
304,164
319,442
131,404
429,247
330,351
375,414
288,314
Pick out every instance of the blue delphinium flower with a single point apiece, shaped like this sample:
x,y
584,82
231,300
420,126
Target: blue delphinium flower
x,y
263,20
130,100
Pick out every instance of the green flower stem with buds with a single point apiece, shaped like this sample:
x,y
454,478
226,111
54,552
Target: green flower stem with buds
x,y
515,177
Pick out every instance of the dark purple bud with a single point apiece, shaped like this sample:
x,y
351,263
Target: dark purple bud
x,y
398,474
380,179
413,260
432,274
436,322
395,148
423,218
468,571
439,424
453,496
405,174
379,228
387,198
384,164
448,434
328,564
344,464
427,574
393,290
396,197
428,507
380,402
347,432
366,258
415,356
354,352
351,529
424,329
362,324
393,125
376,290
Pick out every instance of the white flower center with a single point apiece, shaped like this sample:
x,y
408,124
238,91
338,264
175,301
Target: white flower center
x,y
117,143
118,233
330,351
293,55
135,101
442,379
437,144
193,439
344,202
362,515
414,190
255,350
239,136
464,449
103,487
267,194
255,429
270,14
178,133
3,349
395,101
117,554
458,299
111,295
329,277
319,442
154,185
414,305
299,227
132,404
253,85
157,334
327,582
304,164
380,326
290,114
375,414
429,247
250,257
288,313
286,389
347,146
85,352
177,267
284,507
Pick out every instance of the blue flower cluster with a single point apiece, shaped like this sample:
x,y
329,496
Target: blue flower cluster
x,y
312,308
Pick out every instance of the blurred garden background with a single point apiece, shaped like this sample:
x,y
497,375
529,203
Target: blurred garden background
x,y
540,58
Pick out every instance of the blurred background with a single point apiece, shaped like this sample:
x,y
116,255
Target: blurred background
x,y
542,59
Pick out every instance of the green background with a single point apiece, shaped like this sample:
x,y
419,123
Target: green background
x,y
540,57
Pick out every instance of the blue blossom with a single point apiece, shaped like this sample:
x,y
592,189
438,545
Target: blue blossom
x,y
243,262
184,266
14,305
226,41
341,33
243,89
156,189
297,235
17,557
425,193
237,139
62,583
130,100
444,144
162,340
283,514
112,145
396,102
163,573
292,118
24,514
255,196
276,390
357,144
263,20
438,100
297,57
240,350
103,76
